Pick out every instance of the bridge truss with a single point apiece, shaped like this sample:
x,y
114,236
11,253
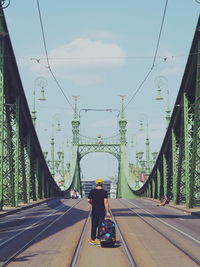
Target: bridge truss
x,y
24,175
176,172
115,146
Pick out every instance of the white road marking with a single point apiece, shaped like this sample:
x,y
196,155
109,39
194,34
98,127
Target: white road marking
x,y
30,226
21,249
171,226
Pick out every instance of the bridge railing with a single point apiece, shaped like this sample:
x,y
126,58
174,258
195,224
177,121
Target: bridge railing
x,y
99,140
24,174
176,172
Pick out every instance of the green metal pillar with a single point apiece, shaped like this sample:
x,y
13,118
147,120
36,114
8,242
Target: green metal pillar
x,y
75,124
16,154
47,188
42,185
158,184
28,168
23,156
154,193
176,189
52,166
165,176
123,188
149,189
194,185
188,192
9,172
2,107
75,158
37,180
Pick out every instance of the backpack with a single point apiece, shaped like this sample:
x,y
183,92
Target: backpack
x,y
107,233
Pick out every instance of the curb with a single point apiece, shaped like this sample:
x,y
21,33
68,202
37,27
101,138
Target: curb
x,y
196,213
15,210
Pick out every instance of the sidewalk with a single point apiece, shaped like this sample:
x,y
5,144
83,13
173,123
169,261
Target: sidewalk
x,y
7,210
182,207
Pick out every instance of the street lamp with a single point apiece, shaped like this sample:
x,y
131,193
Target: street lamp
x,y
56,119
142,118
61,159
146,164
162,82
53,164
42,83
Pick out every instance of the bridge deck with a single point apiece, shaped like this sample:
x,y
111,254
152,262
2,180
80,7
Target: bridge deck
x,y
48,234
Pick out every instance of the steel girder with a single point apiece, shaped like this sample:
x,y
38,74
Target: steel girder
x,y
177,169
24,175
113,149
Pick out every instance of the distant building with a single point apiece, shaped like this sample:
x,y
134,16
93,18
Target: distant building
x,y
113,190
107,186
87,185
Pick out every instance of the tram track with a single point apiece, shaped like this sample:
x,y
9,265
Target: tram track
x,y
30,242
80,242
72,234
125,246
121,239
172,241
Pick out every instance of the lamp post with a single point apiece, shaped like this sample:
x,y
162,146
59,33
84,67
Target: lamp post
x,y
134,145
42,83
145,165
147,162
161,82
53,164
61,157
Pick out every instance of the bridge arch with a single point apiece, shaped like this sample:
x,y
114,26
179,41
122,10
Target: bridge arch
x,y
115,145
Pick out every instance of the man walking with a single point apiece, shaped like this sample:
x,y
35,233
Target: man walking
x,y
98,198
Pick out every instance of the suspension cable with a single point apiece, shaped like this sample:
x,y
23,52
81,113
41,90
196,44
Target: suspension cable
x,y
154,58
47,57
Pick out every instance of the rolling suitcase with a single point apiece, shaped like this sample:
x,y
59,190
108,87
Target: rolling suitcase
x,y
107,233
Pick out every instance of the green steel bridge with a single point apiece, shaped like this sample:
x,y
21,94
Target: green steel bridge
x,y
24,173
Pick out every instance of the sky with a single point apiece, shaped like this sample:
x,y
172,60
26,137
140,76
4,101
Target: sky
x,y
99,50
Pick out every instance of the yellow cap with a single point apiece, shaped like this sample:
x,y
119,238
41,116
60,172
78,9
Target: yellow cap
x,y
99,181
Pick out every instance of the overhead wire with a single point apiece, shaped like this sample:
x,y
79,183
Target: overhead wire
x,y
141,84
47,57
154,58
163,58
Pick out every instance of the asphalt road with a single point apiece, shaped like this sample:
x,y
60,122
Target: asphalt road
x,y
48,234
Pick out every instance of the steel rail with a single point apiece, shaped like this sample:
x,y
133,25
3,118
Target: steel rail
x,y
36,236
125,246
196,260
79,245
80,242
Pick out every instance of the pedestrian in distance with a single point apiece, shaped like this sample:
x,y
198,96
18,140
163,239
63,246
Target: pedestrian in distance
x,y
98,198
165,200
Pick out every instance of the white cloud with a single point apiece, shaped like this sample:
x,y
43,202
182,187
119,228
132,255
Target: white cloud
x,y
80,60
